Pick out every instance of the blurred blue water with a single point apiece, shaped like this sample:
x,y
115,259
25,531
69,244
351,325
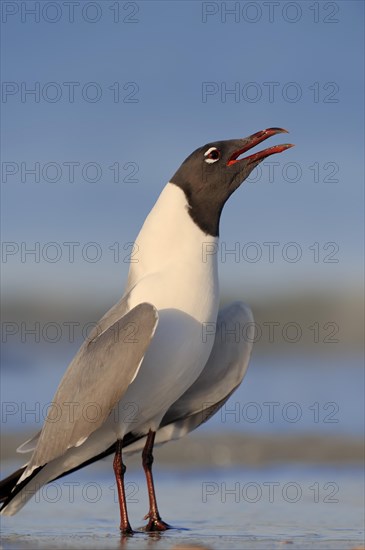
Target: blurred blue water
x,y
293,394
238,508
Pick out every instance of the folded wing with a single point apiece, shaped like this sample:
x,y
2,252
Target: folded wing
x,y
97,378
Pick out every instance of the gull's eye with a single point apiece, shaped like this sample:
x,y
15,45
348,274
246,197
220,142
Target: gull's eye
x,y
212,155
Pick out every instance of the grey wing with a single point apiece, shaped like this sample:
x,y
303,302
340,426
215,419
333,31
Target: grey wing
x,y
115,313
225,368
223,373
99,374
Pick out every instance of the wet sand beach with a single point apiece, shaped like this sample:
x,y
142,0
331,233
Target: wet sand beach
x,y
250,500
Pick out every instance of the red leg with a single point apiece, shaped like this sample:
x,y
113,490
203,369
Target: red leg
x,y
119,471
155,522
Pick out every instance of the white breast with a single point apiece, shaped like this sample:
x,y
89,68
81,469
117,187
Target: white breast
x,y
177,276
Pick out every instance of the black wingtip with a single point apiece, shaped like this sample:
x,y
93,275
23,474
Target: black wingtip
x,y
8,483
9,487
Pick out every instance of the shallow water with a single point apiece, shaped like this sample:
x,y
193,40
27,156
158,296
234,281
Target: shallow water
x,y
302,507
290,395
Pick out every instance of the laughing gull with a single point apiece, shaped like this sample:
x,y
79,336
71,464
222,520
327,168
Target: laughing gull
x,y
221,376
147,350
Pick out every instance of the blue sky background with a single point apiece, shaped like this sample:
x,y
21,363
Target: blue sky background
x,y
169,52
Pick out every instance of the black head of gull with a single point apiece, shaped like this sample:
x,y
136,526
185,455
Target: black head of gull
x,y
213,172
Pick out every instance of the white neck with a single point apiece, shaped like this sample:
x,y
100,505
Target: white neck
x,y
175,252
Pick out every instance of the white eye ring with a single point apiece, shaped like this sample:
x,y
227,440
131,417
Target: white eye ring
x,y
209,152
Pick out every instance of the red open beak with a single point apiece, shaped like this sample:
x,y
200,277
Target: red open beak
x,y
255,139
